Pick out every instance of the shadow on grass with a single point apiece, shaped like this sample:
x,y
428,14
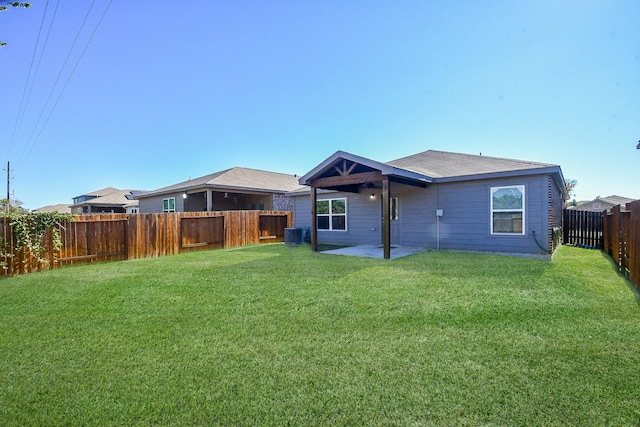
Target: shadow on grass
x,y
624,274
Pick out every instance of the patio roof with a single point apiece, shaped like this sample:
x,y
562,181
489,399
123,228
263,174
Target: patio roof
x,y
348,172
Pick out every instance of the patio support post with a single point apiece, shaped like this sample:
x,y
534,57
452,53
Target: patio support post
x,y
209,200
386,216
314,222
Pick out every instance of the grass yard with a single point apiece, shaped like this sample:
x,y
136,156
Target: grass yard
x,y
278,335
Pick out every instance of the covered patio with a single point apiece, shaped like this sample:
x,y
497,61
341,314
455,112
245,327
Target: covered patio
x,y
347,172
374,251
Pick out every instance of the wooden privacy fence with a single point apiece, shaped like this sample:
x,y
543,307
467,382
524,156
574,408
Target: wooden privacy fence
x,y
582,228
115,237
622,238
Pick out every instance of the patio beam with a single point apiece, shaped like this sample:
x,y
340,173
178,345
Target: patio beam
x,y
356,178
386,216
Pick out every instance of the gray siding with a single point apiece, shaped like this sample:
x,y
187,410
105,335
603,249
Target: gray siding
x,y
465,224
197,202
154,204
467,214
364,219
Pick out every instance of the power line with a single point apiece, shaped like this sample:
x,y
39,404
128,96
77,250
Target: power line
x,y
65,86
55,84
35,75
26,84
31,141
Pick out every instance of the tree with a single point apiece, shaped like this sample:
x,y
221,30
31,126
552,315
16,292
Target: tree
x,y
15,207
12,4
570,184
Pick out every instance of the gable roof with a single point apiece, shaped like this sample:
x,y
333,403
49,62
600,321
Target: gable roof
x,y
442,164
113,198
362,162
101,193
60,208
601,204
234,179
617,200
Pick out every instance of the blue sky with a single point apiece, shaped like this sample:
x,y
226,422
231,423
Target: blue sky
x,y
152,95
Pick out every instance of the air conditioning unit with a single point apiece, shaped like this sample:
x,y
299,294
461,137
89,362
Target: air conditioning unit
x,y
293,236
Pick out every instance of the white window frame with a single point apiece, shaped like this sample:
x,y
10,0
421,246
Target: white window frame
x,y
330,215
167,209
394,209
522,210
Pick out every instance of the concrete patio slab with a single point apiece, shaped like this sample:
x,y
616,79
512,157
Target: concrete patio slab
x,y
373,251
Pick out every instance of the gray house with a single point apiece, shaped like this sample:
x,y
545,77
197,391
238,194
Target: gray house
x,y
433,200
107,200
231,189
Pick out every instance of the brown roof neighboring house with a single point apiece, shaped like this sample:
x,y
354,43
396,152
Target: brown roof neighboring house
x,y
107,200
230,189
601,204
60,208
234,179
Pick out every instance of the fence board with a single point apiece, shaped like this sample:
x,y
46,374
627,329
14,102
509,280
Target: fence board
x,y
112,237
583,228
202,233
622,239
634,242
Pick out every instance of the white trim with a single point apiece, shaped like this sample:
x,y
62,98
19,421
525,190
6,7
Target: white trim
x,y
493,190
330,215
168,209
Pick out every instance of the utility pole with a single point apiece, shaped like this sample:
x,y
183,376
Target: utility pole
x,y
8,186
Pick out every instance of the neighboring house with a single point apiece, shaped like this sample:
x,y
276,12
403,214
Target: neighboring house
x,y
601,204
60,208
232,189
434,200
107,200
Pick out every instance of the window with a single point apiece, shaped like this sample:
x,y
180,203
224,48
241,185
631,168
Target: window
x,y
394,213
331,214
169,205
507,210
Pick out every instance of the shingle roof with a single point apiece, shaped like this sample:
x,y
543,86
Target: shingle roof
x,y
114,198
442,164
60,208
598,205
103,192
236,179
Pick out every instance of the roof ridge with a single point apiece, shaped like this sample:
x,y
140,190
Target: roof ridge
x,y
257,170
471,155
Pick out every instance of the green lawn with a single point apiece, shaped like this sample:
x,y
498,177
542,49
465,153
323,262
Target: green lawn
x,y
278,335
